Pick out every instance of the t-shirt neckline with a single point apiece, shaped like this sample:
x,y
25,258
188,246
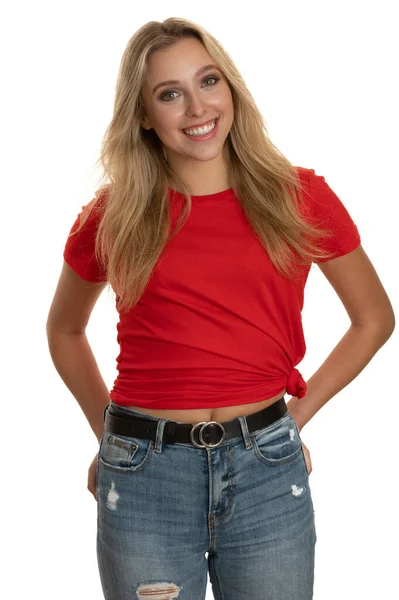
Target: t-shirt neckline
x,y
217,196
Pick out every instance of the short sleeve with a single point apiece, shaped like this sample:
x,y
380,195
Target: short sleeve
x,y
329,211
79,251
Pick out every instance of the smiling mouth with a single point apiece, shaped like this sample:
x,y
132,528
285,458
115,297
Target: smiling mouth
x,y
199,126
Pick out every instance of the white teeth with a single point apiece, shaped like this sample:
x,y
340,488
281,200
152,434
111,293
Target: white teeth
x,y
201,130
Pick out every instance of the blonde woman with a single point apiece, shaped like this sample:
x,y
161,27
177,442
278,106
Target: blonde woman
x,y
206,233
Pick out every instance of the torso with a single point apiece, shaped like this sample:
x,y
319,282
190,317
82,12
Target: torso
x,y
221,414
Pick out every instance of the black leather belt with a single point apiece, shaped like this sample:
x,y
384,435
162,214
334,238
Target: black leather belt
x,y
207,434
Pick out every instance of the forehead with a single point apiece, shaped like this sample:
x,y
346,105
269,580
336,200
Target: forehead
x,y
180,61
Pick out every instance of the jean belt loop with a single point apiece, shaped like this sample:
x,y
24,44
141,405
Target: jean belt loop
x,y
159,435
245,432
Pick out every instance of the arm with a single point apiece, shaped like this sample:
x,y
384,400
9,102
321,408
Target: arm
x,y
359,288
70,351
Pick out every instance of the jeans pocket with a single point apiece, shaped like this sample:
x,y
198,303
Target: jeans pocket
x,y
123,454
278,445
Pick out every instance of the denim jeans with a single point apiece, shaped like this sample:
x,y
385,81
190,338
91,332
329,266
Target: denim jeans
x,y
167,514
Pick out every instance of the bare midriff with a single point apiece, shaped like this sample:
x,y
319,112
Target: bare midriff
x,y
221,414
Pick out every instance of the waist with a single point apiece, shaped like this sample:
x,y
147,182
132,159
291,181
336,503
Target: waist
x,y
127,423
221,414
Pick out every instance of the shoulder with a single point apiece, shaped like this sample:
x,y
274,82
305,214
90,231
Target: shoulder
x,y
93,211
319,198
304,176
304,172
101,195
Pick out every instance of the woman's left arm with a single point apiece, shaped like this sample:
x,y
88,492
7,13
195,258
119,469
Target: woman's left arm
x,y
357,284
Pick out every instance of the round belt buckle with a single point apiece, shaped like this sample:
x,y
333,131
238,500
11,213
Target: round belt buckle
x,y
204,444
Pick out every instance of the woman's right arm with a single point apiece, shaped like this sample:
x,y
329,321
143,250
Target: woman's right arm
x,y
73,302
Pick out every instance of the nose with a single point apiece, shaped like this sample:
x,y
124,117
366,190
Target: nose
x,y
195,106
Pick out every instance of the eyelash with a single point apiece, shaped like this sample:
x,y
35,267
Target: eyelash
x,y
162,97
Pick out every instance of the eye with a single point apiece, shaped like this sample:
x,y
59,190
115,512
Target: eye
x,y
212,77
165,94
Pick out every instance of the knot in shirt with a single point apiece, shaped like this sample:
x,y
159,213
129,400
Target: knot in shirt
x,y
296,385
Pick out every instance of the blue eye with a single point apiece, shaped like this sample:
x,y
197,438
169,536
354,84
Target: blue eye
x,y
163,96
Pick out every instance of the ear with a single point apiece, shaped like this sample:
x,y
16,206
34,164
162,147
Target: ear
x,y
145,123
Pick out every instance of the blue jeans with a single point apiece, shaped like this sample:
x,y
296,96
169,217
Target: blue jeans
x,y
168,513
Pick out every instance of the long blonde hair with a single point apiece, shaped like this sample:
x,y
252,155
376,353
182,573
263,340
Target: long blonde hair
x,y
134,223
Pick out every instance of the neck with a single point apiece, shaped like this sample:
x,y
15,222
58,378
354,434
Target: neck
x,y
202,177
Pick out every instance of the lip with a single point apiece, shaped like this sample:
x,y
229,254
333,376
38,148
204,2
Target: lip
x,y
202,124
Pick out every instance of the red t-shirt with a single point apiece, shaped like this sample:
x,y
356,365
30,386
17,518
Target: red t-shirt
x,y
217,324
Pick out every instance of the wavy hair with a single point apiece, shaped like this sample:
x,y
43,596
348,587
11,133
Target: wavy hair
x,y
134,223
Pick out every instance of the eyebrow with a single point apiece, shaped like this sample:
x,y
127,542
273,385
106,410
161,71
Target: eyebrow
x,y
175,81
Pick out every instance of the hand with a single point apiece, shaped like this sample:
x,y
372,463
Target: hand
x,y
307,459
91,479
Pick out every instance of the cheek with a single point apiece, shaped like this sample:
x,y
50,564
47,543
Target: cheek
x,y
226,105
168,123
228,111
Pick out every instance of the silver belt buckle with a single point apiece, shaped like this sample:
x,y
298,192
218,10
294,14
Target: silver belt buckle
x,y
205,424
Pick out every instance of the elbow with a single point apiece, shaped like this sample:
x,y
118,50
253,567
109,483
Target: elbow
x,y
387,324
381,329
387,331
389,328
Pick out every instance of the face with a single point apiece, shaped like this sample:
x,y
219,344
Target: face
x,y
195,99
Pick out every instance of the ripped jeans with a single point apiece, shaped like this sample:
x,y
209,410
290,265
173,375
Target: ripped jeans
x,y
169,514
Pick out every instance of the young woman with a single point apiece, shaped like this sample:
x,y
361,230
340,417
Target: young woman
x,y
206,233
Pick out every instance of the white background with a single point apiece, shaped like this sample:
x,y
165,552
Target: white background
x,y
324,75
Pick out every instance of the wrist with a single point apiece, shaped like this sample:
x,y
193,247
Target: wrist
x,y
293,407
